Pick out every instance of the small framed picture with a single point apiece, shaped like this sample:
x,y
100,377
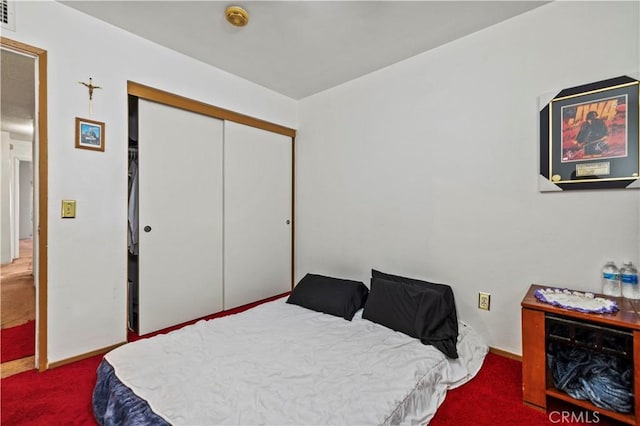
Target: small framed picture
x,y
89,134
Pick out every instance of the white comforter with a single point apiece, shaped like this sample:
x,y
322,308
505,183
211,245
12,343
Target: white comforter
x,y
283,364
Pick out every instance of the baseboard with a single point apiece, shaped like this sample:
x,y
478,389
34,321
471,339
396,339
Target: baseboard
x,y
505,354
83,356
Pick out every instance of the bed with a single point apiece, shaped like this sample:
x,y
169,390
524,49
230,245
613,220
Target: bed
x,y
280,363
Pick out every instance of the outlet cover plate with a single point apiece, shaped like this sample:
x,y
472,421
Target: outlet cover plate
x,y
484,301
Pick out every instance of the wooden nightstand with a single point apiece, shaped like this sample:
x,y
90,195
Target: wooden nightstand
x,y
537,316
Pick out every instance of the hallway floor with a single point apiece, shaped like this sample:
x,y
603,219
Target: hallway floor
x,y
18,290
17,300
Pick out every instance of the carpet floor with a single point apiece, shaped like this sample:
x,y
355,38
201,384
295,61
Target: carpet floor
x,y
18,342
17,297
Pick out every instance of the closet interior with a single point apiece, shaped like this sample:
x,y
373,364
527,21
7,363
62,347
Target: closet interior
x,y
132,217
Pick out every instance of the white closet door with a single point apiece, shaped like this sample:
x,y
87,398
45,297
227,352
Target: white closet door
x,y
257,214
180,203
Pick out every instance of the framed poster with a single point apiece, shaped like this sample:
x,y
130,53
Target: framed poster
x,y
89,134
589,137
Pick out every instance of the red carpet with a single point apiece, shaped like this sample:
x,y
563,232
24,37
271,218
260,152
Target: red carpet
x,y
18,342
59,396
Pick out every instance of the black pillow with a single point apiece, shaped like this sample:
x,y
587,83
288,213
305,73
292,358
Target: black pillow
x,y
435,322
333,296
394,305
442,288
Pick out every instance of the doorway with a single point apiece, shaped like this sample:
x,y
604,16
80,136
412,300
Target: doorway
x,y
23,236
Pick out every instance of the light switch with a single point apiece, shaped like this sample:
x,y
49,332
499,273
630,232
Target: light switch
x,y
68,209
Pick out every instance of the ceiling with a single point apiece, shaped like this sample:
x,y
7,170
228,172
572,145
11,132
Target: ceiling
x,y
17,90
298,48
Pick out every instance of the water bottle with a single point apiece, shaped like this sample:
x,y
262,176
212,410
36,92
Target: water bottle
x,y
611,280
629,281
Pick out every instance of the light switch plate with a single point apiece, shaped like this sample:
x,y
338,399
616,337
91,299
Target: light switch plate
x,y
68,209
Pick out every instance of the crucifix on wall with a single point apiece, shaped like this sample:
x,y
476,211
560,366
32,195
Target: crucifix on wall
x,y
91,88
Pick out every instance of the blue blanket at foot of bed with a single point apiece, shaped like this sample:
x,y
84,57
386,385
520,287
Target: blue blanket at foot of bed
x,y
115,404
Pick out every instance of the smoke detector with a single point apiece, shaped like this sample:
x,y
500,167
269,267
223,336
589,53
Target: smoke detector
x,y
236,16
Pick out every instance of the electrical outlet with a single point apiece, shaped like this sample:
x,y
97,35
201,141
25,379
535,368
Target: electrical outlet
x,y
484,301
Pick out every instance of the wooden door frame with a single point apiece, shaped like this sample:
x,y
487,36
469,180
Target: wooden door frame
x,y
42,156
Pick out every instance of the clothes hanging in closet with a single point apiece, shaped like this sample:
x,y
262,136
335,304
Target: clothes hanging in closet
x,y
133,234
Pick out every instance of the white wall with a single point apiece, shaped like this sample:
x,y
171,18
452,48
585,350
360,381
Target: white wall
x,y
21,156
26,200
5,198
429,168
13,151
87,255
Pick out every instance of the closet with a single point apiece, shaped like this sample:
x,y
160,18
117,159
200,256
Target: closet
x,y
257,214
214,209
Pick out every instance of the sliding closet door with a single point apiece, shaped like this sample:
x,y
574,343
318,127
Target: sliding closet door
x,y
180,200
257,214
